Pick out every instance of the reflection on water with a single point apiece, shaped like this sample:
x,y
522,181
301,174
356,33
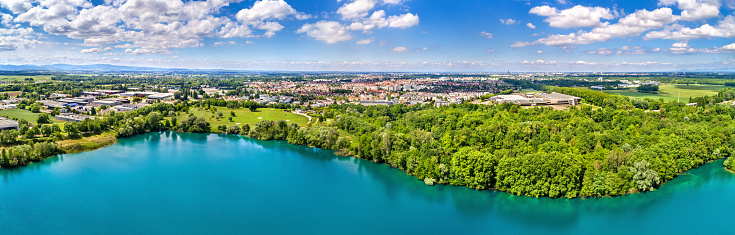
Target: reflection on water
x,y
392,186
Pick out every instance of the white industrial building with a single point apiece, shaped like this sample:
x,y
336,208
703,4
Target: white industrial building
x,y
8,124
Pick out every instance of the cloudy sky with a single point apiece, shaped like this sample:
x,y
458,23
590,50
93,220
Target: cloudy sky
x,y
373,35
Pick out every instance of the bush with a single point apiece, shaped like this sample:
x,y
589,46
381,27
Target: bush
x,y
730,164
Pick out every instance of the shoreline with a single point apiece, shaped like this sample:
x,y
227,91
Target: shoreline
x,y
76,147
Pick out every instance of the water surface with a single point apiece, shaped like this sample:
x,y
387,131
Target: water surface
x,y
218,184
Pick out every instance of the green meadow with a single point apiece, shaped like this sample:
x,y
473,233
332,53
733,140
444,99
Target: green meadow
x,y
671,92
244,116
29,116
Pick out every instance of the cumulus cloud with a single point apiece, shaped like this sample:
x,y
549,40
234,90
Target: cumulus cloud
x,y
729,47
150,26
268,10
486,34
631,25
724,29
365,41
356,9
530,26
403,21
575,17
695,9
508,21
328,31
16,6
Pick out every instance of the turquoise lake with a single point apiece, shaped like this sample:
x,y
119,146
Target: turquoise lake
x,y
217,184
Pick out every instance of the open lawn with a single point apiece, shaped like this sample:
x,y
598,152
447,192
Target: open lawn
x,y
671,92
16,78
244,116
29,116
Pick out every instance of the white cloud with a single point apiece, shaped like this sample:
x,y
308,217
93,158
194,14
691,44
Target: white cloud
x,y
724,29
403,21
729,47
224,43
695,9
375,21
400,49
508,21
14,42
150,26
631,25
392,2
356,9
539,52
268,10
486,34
575,17
270,27
365,41
96,50
530,26
328,31
16,6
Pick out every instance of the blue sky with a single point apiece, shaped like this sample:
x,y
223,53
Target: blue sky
x,y
373,35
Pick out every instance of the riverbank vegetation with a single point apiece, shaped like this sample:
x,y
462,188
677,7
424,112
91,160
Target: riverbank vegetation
x,y
615,150
730,164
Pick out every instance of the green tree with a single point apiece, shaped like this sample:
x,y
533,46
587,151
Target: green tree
x,y
43,119
645,178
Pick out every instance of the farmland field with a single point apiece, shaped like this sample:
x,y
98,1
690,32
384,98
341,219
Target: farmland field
x,y
671,92
244,116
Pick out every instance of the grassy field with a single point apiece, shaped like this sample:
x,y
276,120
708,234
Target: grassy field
x,y
244,116
24,114
670,92
87,142
16,78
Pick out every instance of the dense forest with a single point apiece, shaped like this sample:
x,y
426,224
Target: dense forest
x,y
614,150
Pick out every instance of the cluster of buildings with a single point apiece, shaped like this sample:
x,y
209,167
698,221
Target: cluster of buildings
x,y
11,103
115,99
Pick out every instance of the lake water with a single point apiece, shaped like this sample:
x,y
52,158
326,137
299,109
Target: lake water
x,y
216,184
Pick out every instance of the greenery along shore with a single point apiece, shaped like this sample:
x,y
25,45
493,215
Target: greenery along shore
x,y
621,147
